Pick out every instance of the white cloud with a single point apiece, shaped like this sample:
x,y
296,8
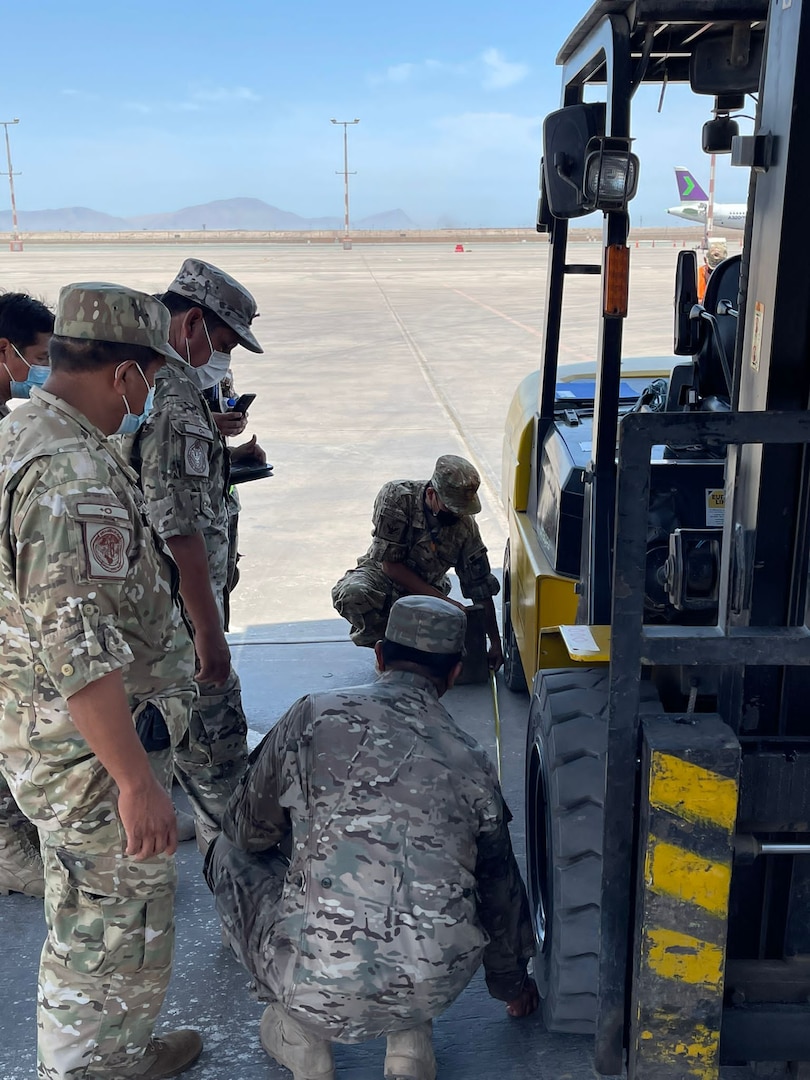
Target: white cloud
x,y
499,72
198,98
144,108
224,94
491,67
400,73
82,95
491,130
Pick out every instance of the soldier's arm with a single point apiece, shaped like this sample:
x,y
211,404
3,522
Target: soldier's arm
x,y
408,581
74,601
210,643
173,458
480,585
254,819
102,716
503,908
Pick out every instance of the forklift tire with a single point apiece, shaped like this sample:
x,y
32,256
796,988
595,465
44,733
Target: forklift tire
x,y
565,782
513,674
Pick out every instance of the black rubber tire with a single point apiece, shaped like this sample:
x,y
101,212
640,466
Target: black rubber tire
x,y
513,673
565,783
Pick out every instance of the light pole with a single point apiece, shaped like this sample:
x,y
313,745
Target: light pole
x,y
16,242
346,124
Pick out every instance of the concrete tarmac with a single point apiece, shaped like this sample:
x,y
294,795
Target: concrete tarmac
x,y
377,361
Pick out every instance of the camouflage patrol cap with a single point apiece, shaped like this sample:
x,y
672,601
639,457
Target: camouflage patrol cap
x,y
100,311
211,288
428,624
456,483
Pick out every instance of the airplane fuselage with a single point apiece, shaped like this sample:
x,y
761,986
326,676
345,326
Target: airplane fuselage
x,y
726,215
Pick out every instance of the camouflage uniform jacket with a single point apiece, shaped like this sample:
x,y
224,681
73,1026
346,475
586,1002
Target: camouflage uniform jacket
x,y
86,589
183,464
401,874
405,531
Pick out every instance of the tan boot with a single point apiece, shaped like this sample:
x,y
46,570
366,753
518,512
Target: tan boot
x,y
409,1054
173,1053
293,1046
21,867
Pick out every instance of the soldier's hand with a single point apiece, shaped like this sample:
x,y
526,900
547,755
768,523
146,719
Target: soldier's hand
x,y
213,656
230,423
495,655
249,451
526,1002
149,820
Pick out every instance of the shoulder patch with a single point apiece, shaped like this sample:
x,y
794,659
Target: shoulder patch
x,y
196,455
101,510
106,549
201,430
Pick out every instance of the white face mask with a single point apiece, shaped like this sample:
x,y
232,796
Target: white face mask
x,y
214,370
133,421
37,374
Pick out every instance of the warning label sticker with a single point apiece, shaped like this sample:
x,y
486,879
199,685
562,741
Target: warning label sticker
x,y
715,507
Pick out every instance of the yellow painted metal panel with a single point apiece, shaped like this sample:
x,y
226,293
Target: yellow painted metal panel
x,y
674,955
693,793
539,597
517,444
673,871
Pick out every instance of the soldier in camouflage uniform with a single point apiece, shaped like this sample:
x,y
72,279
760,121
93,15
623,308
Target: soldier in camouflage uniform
x,y
420,529
183,464
97,668
26,326
365,869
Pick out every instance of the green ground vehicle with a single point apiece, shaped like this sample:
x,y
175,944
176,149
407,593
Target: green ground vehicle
x,y
655,593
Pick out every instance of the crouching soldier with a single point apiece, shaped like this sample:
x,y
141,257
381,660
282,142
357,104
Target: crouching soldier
x,y
366,869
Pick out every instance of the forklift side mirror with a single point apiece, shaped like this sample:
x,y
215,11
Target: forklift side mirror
x,y
687,328
566,134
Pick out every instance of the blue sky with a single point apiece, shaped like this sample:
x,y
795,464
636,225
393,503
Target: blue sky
x,y
134,110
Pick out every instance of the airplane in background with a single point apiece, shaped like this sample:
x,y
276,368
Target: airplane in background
x,y
695,202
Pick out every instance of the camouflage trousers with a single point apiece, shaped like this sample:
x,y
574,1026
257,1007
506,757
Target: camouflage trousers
x,y
212,757
364,596
106,961
247,888
12,819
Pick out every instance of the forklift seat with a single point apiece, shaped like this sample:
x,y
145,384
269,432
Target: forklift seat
x,y
724,284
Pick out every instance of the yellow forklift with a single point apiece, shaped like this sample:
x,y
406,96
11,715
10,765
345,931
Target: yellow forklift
x,y
656,576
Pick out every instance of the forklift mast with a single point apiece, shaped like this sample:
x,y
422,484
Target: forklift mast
x,y
705,915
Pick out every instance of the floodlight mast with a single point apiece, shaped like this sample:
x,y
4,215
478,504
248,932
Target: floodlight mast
x,y
16,242
346,174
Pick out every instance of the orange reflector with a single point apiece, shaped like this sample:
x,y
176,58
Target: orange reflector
x,y
617,281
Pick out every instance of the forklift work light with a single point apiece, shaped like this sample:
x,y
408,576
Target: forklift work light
x,y
611,174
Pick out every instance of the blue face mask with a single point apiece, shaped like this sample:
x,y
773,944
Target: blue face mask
x,y
133,421
37,374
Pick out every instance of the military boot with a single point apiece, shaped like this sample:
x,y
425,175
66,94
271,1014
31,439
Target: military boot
x,y
172,1054
409,1054
21,867
293,1046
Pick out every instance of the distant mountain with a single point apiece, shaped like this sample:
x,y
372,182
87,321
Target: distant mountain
x,y
389,219
223,214
250,214
66,219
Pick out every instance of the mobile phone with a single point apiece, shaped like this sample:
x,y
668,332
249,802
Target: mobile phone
x,y
243,403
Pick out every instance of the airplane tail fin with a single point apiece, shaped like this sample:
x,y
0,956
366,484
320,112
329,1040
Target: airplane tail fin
x,y
689,189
